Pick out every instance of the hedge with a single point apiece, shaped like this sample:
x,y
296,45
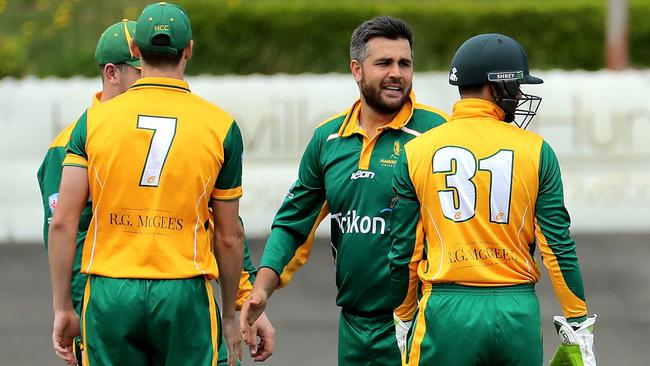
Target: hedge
x,y
58,37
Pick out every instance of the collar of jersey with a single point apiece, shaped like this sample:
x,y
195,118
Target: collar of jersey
x,y
97,98
161,83
476,108
351,124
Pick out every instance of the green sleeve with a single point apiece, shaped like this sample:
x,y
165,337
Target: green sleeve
x,y
49,179
77,143
299,212
248,263
404,220
231,170
554,221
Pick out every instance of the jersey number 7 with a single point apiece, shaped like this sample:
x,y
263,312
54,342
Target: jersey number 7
x,y
164,131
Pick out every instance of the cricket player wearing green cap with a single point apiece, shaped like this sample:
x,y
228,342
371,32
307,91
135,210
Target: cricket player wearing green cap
x,y
119,69
160,166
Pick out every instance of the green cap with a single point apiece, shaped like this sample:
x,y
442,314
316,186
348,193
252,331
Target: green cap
x,y
113,46
167,19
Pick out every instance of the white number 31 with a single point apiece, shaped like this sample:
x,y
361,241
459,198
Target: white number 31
x,y
459,166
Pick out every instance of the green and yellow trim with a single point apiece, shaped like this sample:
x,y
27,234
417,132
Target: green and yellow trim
x,y
127,36
214,326
413,354
351,124
572,305
163,83
227,194
75,160
408,307
84,355
245,289
302,254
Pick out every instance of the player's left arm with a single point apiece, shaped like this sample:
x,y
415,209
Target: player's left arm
x,y
407,242
557,248
229,234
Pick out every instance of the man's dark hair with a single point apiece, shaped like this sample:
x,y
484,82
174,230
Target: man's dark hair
x,y
120,67
381,26
161,60
470,90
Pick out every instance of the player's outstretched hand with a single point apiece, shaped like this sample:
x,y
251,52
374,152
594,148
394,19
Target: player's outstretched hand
x,y
233,340
65,329
263,339
250,312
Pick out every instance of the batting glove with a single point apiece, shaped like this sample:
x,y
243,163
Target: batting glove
x,y
577,343
401,332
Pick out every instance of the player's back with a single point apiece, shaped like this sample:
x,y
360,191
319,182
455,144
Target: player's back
x,y
154,157
477,182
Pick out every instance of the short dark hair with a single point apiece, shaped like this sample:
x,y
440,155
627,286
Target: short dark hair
x,y
381,26
157,59
470,89
120,67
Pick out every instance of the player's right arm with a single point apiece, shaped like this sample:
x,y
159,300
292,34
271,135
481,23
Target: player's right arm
x,y
407,242
73,193
303,208
291,239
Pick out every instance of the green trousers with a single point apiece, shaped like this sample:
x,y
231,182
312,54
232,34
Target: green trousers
x,y
150,322
477,326
367,340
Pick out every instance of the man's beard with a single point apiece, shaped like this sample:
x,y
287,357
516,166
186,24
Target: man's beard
x,y
372,96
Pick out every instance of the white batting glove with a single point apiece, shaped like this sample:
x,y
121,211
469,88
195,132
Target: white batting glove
x,y
577,343
401,332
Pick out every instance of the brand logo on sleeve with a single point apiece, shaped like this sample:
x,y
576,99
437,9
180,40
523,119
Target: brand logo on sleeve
x,y
52,202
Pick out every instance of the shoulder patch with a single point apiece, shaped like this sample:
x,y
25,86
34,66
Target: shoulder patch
x,y
52,202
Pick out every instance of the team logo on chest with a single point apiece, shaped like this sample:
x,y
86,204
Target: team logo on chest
x,y
390,162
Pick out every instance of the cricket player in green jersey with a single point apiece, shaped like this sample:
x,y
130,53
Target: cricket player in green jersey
x,y
346,171
119,69
474,199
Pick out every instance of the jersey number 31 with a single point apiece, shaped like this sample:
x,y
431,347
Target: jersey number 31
x,y
459,165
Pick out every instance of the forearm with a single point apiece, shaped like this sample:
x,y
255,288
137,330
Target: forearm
x,y
229,255
62,239
267,280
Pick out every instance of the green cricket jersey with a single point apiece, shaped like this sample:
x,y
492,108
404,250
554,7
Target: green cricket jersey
x,y
49,179
348,175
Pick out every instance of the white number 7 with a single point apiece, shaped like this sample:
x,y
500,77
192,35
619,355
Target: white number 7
x,y
164,131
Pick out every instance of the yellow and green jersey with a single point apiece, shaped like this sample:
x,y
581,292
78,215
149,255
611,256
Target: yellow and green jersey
x,y
473,199
348,175
49,179
156,155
